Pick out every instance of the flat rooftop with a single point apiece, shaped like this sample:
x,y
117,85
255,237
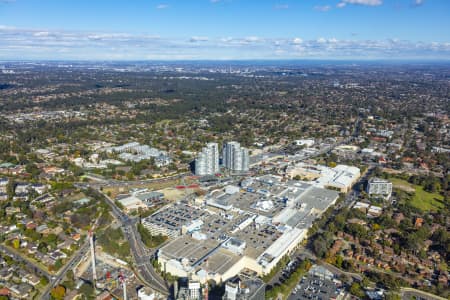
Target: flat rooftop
x,y
187,247
258,238
319,198
220,261
175,216
267,214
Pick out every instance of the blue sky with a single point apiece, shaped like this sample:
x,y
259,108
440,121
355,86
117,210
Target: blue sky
x,y
224,29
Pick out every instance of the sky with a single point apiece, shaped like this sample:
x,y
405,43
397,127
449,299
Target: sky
x,y
224,29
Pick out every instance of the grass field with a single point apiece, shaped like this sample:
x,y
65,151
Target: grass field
x,y
421,199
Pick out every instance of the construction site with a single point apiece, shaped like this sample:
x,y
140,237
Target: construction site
x,y
111,277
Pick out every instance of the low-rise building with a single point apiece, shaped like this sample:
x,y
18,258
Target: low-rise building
x,y
188,290
234,233
21,291
340,178
379,187
242,287
145,293
136,152
4,185
132,203
304,142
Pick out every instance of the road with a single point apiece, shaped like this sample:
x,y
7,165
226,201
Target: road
x,y
350,199
32,265
76,258
354,193
325,149
301,253
410,293
53,279
140,253
335,270
73,261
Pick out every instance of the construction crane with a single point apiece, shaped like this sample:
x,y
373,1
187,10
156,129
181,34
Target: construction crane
x,y
91,242
124,285
92,246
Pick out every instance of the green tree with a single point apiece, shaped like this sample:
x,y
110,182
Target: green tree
x,y
58,264
87,290
392,296
70,275
58,292
16,243
150,240
43,281
339,261
356,290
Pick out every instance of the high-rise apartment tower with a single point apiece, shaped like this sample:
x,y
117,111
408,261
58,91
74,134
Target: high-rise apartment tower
x,y
207,161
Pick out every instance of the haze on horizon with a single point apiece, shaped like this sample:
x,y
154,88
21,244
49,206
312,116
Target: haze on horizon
x,y
224,29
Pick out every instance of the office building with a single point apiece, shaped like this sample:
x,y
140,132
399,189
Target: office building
x,y
235,157
379,187
188,290
4,182
242,287
207,162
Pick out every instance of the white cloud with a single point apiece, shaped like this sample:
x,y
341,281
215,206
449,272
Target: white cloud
x,y
19,43
323,8
418,2
297,41
162,6
195,39
343,3
4,27
226,39
42,33
109,36
252,39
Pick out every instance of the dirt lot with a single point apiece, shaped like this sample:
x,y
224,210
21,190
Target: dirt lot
x,y
173,194
165,187
153,186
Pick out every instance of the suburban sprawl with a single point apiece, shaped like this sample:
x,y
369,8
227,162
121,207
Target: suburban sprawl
x,y
224,180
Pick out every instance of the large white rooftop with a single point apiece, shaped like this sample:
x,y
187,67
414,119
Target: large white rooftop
x,y
341,176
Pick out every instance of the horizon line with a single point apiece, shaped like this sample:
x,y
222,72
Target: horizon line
x,y
234,60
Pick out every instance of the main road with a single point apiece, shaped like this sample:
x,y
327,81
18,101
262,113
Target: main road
x,y
53,279
82,252
141,254
75,260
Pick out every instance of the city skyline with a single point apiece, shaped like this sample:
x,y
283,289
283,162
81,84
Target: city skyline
x,y
225,30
